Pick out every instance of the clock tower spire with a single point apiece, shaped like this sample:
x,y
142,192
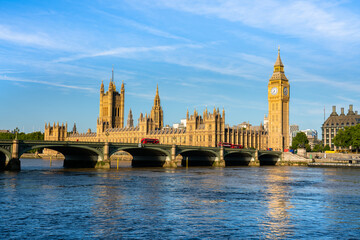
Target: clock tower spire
x,y
278,100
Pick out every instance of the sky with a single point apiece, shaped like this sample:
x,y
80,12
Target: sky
x,y
201,53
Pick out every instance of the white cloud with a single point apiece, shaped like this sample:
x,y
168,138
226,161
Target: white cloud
x,y
126,52
143,27
307,19
38,39
16,80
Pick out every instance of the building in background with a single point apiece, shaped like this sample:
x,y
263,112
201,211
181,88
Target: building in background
x,y
338,121
294,129
312,136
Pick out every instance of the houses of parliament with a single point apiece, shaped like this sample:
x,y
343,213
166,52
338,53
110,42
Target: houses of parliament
x,y
206,129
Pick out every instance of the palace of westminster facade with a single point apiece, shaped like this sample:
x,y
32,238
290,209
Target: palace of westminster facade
x,y
205,130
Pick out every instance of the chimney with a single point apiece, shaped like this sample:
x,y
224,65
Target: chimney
x,y
342,112
356,112
333,111
351,112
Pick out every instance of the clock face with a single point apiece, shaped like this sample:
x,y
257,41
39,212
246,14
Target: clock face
x,y
274,91
286,91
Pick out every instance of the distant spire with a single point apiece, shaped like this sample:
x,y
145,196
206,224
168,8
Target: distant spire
x,y
112,76
157,97
74,129
102,86
278,60
130,121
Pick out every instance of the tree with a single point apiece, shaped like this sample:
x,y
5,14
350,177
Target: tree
x,y
348,137
22,136
317,148
343,138
300,140
326,148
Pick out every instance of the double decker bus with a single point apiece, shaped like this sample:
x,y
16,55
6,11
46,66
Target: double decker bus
x,y
238,146
224,144
230,145
150,140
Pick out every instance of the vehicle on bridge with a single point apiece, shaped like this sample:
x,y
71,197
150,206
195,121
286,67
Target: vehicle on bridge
x,y
238,146
224,144
150,140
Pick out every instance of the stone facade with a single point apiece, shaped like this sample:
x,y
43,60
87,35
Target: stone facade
x,y
278,100
205,130
335,122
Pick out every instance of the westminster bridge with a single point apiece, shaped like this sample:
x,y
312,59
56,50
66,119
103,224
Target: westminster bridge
x,y
97,154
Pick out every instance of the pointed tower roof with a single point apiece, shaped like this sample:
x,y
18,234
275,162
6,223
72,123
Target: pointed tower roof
x,y
278,60
157,97
278,73
102,86
130,120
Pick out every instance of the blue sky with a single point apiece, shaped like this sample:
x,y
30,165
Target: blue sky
x,y
54,55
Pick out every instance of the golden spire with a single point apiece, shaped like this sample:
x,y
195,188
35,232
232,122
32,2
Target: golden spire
x,y
278,62
278,73
111,86
102,86
157,98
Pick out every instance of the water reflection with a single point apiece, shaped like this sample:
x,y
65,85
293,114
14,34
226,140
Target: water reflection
x,y
194,203
277,223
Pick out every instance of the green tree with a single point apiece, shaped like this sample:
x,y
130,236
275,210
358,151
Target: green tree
x,y
348,137
300,140
326,148
317,148
22,136
343,138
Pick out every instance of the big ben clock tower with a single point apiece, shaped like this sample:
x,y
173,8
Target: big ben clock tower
x,y
278,99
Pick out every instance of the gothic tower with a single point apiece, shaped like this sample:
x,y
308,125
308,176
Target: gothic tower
x,y
157,112
111,114
130,120
278,99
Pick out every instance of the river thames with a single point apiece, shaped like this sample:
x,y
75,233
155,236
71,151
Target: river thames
x,y
40,202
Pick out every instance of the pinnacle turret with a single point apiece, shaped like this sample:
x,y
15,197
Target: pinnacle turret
x,y
278,73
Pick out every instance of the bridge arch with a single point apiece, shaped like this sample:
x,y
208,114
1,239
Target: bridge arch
x,y
75,156
237,158
145,156
268,159
198,157
5,156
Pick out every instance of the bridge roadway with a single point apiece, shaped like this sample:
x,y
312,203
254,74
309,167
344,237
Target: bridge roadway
x,y
97,154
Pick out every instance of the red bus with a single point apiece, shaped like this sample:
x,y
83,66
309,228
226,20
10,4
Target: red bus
x,y
237,146
150,140
224,144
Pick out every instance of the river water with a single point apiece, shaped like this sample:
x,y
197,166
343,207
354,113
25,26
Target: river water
x,y
43,202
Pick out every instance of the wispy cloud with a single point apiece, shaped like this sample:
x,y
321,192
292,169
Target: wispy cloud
x,y
347,99
17,80
302,76
126,52
297,18
38,39
142,27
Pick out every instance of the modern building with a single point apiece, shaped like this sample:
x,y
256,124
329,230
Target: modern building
x,y
207,129
294,129
338,121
